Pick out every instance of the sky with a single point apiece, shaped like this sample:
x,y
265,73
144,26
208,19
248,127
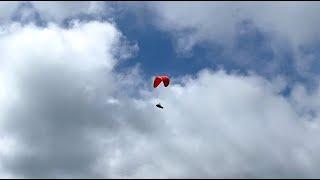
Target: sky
x,y
76,95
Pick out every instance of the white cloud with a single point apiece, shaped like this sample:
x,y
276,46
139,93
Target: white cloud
x,y
296,21
194,22
286,27
217,125
64,112
54,11
221,125
218,21
55,83
59,11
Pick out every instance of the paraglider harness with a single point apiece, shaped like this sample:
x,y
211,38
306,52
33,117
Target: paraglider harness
x,y
159,106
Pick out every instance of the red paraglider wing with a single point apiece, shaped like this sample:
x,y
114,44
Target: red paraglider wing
x,y
165,80
157,81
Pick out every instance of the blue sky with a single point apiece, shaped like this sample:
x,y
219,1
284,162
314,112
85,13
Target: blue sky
x,y
157,53
156,49
77,99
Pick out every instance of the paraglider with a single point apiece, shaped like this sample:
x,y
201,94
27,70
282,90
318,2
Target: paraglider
x,y
157,81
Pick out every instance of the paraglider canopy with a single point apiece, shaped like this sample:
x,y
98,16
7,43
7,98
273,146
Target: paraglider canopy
x,y
159,79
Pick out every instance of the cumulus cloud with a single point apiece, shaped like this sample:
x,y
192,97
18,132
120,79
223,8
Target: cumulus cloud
x,y
65,112
59,11
53,11
218,125
218,21
54,85
225,126
208,21
222,125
